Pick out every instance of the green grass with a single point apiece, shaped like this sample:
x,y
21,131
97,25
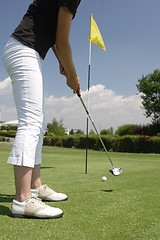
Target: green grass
x,y
122,208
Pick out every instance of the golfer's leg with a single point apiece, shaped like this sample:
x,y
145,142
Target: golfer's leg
x,y
24,67
22,177
28,97
36,179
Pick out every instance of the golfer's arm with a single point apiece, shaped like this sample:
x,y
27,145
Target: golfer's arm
x,y
63,48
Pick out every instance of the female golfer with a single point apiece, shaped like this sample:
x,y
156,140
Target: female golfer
x,y
45,25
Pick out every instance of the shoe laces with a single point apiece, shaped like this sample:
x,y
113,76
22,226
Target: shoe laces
x,y
37,200
45,186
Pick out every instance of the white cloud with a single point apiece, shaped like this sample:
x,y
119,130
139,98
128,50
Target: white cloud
x,y
5,86
106,108
7,107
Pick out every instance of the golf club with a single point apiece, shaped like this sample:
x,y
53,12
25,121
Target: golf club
x,y
114,171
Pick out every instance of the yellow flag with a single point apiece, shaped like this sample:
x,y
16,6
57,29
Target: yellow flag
x,y
95,36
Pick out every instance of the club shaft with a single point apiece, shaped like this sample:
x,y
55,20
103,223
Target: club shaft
x,y
95,129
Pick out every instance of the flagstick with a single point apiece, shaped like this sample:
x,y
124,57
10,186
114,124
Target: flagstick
x,y
95,37
89,79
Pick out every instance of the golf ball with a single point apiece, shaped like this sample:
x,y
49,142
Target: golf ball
x,y
104,178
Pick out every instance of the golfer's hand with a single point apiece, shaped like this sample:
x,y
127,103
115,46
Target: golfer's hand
x,y
61,70
74,84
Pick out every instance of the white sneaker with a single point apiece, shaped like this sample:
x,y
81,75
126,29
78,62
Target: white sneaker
x,y
34,208
48,194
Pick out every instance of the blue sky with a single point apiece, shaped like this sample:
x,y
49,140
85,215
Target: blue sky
x,y
130,30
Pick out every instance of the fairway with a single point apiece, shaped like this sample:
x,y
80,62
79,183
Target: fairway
x,y
125,207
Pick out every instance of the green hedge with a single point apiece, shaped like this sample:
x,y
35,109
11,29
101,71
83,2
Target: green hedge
x,y
136,144
10,134
132,144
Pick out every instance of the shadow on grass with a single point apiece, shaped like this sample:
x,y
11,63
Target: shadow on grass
x,y
5,211
107,190
6,198
46,167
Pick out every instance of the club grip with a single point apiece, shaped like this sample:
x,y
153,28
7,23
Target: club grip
x,y
78,93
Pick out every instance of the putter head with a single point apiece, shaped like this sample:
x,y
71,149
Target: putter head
x,y
115,171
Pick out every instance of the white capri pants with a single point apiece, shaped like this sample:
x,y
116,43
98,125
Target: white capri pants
x,y
23,65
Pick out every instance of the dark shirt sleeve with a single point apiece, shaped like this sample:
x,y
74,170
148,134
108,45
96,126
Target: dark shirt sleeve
x,y
71,5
